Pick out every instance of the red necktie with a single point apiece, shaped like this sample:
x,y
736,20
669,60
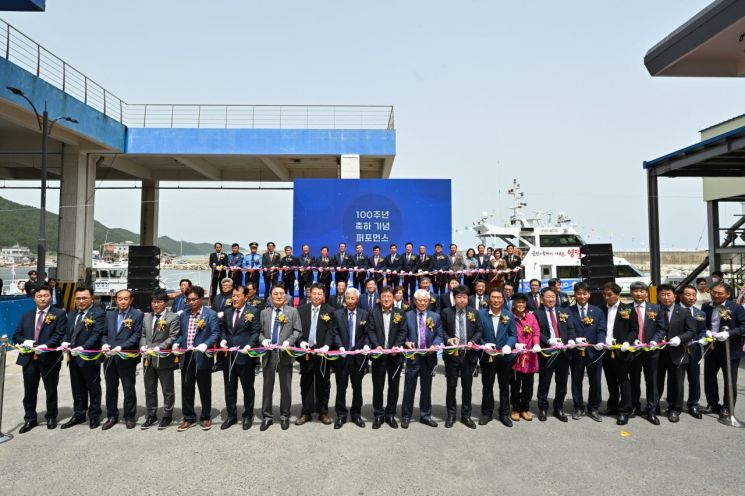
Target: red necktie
x,y
554,324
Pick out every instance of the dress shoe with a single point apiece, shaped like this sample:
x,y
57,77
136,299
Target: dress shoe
x,y
149,422
391,421
205,424
325,419
358,422
185,425
130,423
724,413
73,422
673,417
559,414
51,424
609,412
229,422
405,423
506,421
526,416
110,422
165,422
284,423
377,422
428,421
468,422
542,415
593,414
622,419
339,423
653,419
303,419
265,423
695,412
449,422
94,423
27,426
483,420
515,416
578,413
247,422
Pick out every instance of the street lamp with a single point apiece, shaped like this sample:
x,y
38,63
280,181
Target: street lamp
x,y
45,126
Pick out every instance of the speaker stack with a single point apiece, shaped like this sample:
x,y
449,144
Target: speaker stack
x,y
143,271
596,269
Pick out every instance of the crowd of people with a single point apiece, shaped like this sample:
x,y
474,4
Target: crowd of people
x,y
388,327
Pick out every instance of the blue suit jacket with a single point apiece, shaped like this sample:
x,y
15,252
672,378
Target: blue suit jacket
x,y
179,303
209,334
126,337
51,334
735,324
89,337
595,332
244,333
364,301
504,334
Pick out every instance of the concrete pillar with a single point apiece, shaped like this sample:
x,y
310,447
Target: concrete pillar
x,y
653,213
77,197
712,226
350,167
149,213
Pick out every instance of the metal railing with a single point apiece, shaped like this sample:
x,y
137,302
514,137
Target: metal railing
x,y
24,52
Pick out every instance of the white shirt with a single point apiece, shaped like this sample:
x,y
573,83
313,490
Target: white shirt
x,y
551,330
611,320
495,318
386,324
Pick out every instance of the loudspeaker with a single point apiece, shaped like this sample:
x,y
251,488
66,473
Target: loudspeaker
x,y
596,298
596,267
596,249
598,271
143,268
141,299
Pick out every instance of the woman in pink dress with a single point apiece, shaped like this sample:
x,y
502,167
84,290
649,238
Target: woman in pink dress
x,y
526,364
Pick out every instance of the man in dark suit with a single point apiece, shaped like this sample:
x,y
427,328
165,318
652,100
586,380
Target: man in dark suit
x,y
409,264
393,263
726,320
498,333
680,329
424,331
440,262
38,330
514,263
534,297
57,301
589,323
315,377
484,261
461,326
424,262
179,303
200,330
649,321
160,329
270,263
556,329
342,263
687,296
324,264
425,283
338,300
252,264
234,264
217,262
562,299
239,332
32,284
305,274
377,265
480,300
123,332
387,332
288,275
351,327
371,298
623,329
223,300
360,261
85,326
252,296
447,299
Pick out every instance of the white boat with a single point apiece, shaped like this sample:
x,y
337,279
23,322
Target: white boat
x,y
551,249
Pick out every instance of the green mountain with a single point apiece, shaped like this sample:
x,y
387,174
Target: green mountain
x,y
19,224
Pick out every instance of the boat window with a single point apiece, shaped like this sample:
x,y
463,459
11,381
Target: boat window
x,y
560,240
102,273
626,271
567,271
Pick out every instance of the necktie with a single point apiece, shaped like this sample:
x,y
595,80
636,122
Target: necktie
x,y
554,324
422,332
78,319
156,318
536,302
478,301
351,330
667,319
582,313
39,325
461,326
313,328
275,328
235,318
370,301
640,319
119,321
422,259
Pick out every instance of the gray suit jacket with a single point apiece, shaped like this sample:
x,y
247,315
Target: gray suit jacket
x,y
289,331
458,263
164,337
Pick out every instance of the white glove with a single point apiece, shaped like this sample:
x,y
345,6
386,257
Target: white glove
x,y
304,345
637,342
722,336
598,346
366,349
536,348
554,342
571,344
506,350
625,347
143,348
285,345
117,349
223,343
76,351
266,343
324,349
156,349
39,349
490,346
653,343
29,343
581,340
343,351
220,314
703,342
610,341
179,313
519,346
245,349
64,345
106,348
202,348
674,341
175,346
709,334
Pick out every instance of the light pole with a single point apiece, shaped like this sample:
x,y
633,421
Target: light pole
x,y
45,126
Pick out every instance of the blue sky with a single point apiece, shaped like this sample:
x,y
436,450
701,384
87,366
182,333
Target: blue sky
x,y
554,94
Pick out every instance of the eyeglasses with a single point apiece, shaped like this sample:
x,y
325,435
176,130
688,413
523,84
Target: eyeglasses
x,y
191,300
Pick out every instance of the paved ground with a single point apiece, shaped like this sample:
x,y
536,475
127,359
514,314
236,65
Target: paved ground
x,y
693,456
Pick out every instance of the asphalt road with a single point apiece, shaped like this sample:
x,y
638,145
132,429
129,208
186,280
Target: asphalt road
x,y
691,457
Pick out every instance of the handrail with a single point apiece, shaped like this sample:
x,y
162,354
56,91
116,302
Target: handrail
x,y
24,52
